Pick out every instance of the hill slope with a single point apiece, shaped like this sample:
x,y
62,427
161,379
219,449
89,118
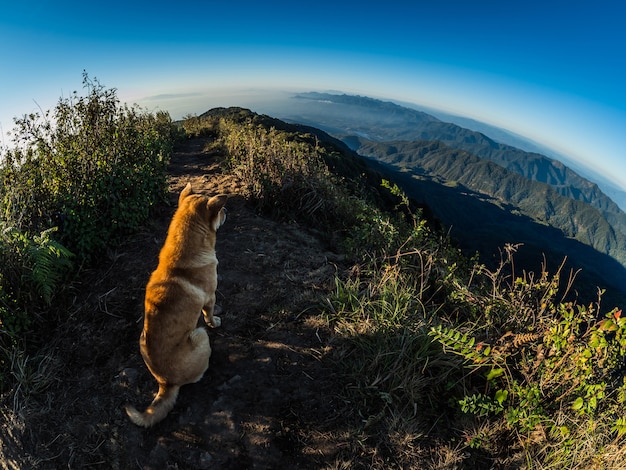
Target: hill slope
x,y
575,218
381,121
292,383
482,222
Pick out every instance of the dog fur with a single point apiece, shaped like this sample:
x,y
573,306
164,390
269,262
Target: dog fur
x,y
174,348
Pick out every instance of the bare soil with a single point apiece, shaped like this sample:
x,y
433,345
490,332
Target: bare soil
x,y
270,399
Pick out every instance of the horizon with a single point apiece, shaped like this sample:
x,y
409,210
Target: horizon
x,y
551,73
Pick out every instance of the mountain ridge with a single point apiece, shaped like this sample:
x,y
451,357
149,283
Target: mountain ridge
x,y
575,218
418,125
478,220
504,136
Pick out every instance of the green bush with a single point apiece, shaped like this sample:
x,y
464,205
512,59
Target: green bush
x,y
285,175
90,167
543,370
76,179
435,338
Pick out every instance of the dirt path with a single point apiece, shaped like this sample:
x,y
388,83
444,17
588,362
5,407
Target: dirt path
x,y
268,400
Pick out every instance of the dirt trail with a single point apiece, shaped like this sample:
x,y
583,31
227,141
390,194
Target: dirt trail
x,y
268,400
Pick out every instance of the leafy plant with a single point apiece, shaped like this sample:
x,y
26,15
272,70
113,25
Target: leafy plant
x,y
75,180
90,167
554,362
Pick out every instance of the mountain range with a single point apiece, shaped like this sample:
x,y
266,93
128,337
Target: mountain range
x,y
515,196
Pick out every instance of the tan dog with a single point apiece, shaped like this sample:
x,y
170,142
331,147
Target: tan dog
x,y
175,350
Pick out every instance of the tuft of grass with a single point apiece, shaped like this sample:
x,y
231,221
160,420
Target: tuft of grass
x,y
284,174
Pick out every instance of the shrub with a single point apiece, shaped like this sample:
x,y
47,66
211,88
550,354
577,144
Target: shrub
x,y
285,175
547,371
91,167
76,179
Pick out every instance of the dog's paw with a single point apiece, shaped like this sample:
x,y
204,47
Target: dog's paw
x,y
217,321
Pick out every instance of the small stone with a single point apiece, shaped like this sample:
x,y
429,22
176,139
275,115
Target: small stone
x,y
205,461
128,376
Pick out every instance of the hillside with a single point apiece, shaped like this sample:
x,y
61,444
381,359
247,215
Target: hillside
x,y
344,115
350,325
575,224
503,136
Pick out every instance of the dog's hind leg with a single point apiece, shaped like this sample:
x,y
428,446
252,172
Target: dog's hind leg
x,y
198,359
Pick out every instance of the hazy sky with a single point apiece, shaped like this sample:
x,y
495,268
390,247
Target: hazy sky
x,y
552,70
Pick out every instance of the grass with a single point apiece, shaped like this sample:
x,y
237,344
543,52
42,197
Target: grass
x,y
504,367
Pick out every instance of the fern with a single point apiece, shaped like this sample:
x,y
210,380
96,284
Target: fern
x,y
49,261
462,344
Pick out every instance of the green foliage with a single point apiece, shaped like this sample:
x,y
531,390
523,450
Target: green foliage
x,y
399,377
34,268
75,180
43,263
48,261
285,174
541,362
429,328
91,167
200,126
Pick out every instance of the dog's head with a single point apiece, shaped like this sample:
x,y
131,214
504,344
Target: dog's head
x,y
211,211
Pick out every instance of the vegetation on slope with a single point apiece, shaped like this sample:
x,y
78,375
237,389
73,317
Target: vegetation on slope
x,y
438,346
77,180
488,365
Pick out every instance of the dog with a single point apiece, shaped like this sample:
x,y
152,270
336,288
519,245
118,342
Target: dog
x,y
175,350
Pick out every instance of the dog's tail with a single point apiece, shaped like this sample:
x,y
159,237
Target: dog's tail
x,y
158,409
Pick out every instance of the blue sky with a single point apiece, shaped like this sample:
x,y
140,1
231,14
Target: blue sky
x,y
551,70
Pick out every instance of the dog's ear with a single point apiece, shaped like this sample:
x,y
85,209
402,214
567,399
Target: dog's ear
x,y
217,202
184,193
215,206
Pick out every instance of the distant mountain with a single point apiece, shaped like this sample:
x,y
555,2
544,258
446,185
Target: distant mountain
x,y
383,121
503,136
539,201
376,120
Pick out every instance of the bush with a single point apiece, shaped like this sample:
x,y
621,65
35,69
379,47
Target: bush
x,y
76,180
90,167
285,175
547,372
